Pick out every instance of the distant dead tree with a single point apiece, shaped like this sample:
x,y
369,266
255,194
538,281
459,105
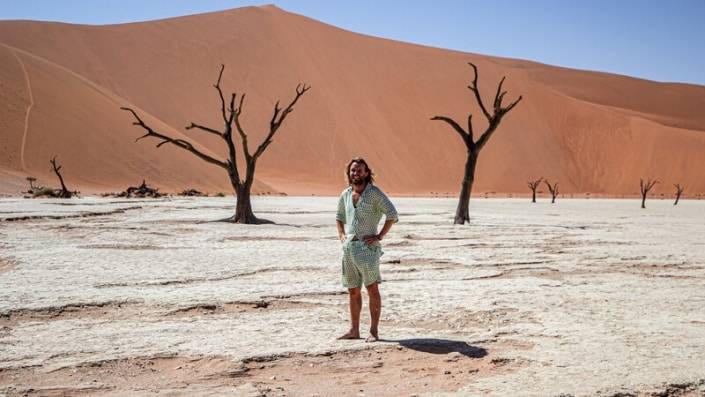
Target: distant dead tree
x,y
141,191
231,116
31,181
553,189
645,187
679,191
64,192
533,185
192,193
473,146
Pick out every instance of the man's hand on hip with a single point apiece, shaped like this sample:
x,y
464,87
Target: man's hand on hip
x,y
371,239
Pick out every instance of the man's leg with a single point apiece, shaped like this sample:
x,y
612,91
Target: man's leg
x,y
355,297
375,311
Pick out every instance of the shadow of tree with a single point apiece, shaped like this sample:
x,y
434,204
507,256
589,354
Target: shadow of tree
x,y
441,346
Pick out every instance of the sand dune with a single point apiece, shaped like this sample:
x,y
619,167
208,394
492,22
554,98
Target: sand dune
x,y
591,132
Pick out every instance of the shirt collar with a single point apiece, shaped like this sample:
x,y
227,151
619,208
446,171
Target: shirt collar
x,y
364,191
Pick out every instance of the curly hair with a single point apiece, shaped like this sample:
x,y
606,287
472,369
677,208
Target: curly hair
x,y
370,176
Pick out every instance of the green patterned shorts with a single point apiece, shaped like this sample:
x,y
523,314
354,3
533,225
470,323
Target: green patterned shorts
x,y
360,264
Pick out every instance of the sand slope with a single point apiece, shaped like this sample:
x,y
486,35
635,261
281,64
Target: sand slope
x,y
592,132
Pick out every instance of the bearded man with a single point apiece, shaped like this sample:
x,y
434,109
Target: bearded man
x,y
360,210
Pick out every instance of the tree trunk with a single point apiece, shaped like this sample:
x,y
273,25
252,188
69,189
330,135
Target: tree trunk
x,y
243,208
678,197
553,199
63,186
643,200
64,193
461,213
533,195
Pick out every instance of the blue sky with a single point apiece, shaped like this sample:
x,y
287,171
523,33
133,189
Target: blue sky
x,y
655,40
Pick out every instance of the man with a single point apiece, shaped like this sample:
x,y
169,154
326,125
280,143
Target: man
x,y
360,209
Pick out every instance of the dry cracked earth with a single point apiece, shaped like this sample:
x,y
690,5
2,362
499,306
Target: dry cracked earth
x,y
108,297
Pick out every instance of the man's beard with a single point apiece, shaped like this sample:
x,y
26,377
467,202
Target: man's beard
x,y
358,181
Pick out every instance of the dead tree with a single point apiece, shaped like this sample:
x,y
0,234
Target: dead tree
x,y
533,185
679,191
553,189
231,117
31,181
645,187
474,146
141,191
192,193
64,192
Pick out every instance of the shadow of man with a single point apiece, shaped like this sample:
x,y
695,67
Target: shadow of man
x,y
440,346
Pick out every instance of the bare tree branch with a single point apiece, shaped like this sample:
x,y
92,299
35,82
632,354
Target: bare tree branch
x,y
464,135
273,121
220,94
231,108
484,138
645,187
233,171
511,106
534,184
499,95
494,122
243,136
204,128
177,142
239,107
228,136
476,91
278,117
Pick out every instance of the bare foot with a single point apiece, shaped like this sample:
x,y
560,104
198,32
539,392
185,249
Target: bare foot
x,y
372,338
350,335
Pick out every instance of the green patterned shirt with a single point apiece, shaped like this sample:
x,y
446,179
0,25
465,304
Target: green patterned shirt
x,y
362,220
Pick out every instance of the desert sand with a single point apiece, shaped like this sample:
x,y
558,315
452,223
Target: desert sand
x,y
107,297
61,87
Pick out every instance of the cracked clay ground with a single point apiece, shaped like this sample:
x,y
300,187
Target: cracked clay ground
x,y
111,297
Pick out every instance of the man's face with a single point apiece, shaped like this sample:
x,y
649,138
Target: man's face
x,y
358,173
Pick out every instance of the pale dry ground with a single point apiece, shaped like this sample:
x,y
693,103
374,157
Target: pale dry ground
x,y
134,297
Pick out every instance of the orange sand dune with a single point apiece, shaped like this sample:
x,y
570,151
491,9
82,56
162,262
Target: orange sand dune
x,y
591,132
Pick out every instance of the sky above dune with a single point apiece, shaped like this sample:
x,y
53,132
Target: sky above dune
x,y
655,40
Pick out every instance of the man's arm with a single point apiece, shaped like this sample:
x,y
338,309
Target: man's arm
x,y
341,230
387,208
391,217
385,229
340,218
379,236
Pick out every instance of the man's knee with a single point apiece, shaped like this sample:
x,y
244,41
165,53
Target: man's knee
x,y
373,289
355,291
